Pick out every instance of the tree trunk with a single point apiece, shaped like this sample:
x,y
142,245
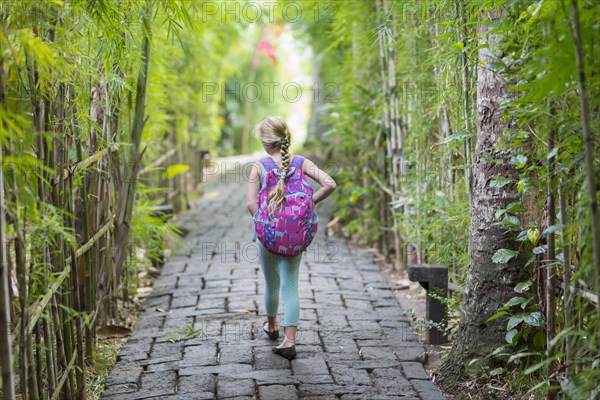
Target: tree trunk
x,y
489,285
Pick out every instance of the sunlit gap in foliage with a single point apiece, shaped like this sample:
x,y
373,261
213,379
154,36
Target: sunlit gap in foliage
x,y
274,77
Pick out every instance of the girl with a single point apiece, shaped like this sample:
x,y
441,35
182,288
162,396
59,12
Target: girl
x,y
275,138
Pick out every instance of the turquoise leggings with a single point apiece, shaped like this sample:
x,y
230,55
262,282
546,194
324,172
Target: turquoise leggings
x,y
285,270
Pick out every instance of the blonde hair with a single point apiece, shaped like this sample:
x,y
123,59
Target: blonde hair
x,y
273,131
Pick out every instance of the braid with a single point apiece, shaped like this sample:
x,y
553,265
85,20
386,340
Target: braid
x,y
285,155
277,196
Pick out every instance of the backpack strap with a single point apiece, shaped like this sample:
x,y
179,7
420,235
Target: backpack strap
x,y
267,165
297,162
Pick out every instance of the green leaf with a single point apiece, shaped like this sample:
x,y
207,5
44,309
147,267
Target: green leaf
x,y
499,182
539,340
552,229
510,335
497,371
503,256
496,316
533,235
565,332
523,354
174,170
515,207
497,351
523,286
534,319
523,185
540,249
516,300
514,321
539,365
519,161
457,136
510,221
522,236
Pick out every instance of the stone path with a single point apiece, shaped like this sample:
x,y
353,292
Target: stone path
x,y
353,343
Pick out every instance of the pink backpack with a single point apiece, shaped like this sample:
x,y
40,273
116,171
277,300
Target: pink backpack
x,y
292,228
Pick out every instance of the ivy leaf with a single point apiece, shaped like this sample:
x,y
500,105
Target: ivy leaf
x,y
522,236
552,229
533,235
496,316
516,300
513,322
534,319
510,335
523,286
500,181
503,256
519,161
515,207
510,222
540,249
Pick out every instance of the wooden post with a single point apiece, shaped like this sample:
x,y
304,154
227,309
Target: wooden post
x,y
434,279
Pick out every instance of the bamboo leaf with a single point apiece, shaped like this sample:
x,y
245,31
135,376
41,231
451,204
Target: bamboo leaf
x,y
174,170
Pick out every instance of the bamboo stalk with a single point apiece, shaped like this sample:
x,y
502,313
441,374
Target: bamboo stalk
x,y
38,361
396,134
467,144
65,375
37,310
6,356
81,165
551,255
62,358
567,295
50,354
589,152
385,137
128,188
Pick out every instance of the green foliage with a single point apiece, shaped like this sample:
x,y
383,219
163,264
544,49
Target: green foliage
x,y
189,332
438,114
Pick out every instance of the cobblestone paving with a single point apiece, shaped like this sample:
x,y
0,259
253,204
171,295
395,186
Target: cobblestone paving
x,y
353,340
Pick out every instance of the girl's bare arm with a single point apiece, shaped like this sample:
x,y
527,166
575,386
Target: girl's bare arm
x,y
253,188
327,183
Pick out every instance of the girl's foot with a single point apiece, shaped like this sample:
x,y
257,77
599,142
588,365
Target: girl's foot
x,y
271,331
287,342
286,349
287,352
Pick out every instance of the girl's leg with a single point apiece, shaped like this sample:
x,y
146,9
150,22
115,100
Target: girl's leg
x,y
289,269
269,267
